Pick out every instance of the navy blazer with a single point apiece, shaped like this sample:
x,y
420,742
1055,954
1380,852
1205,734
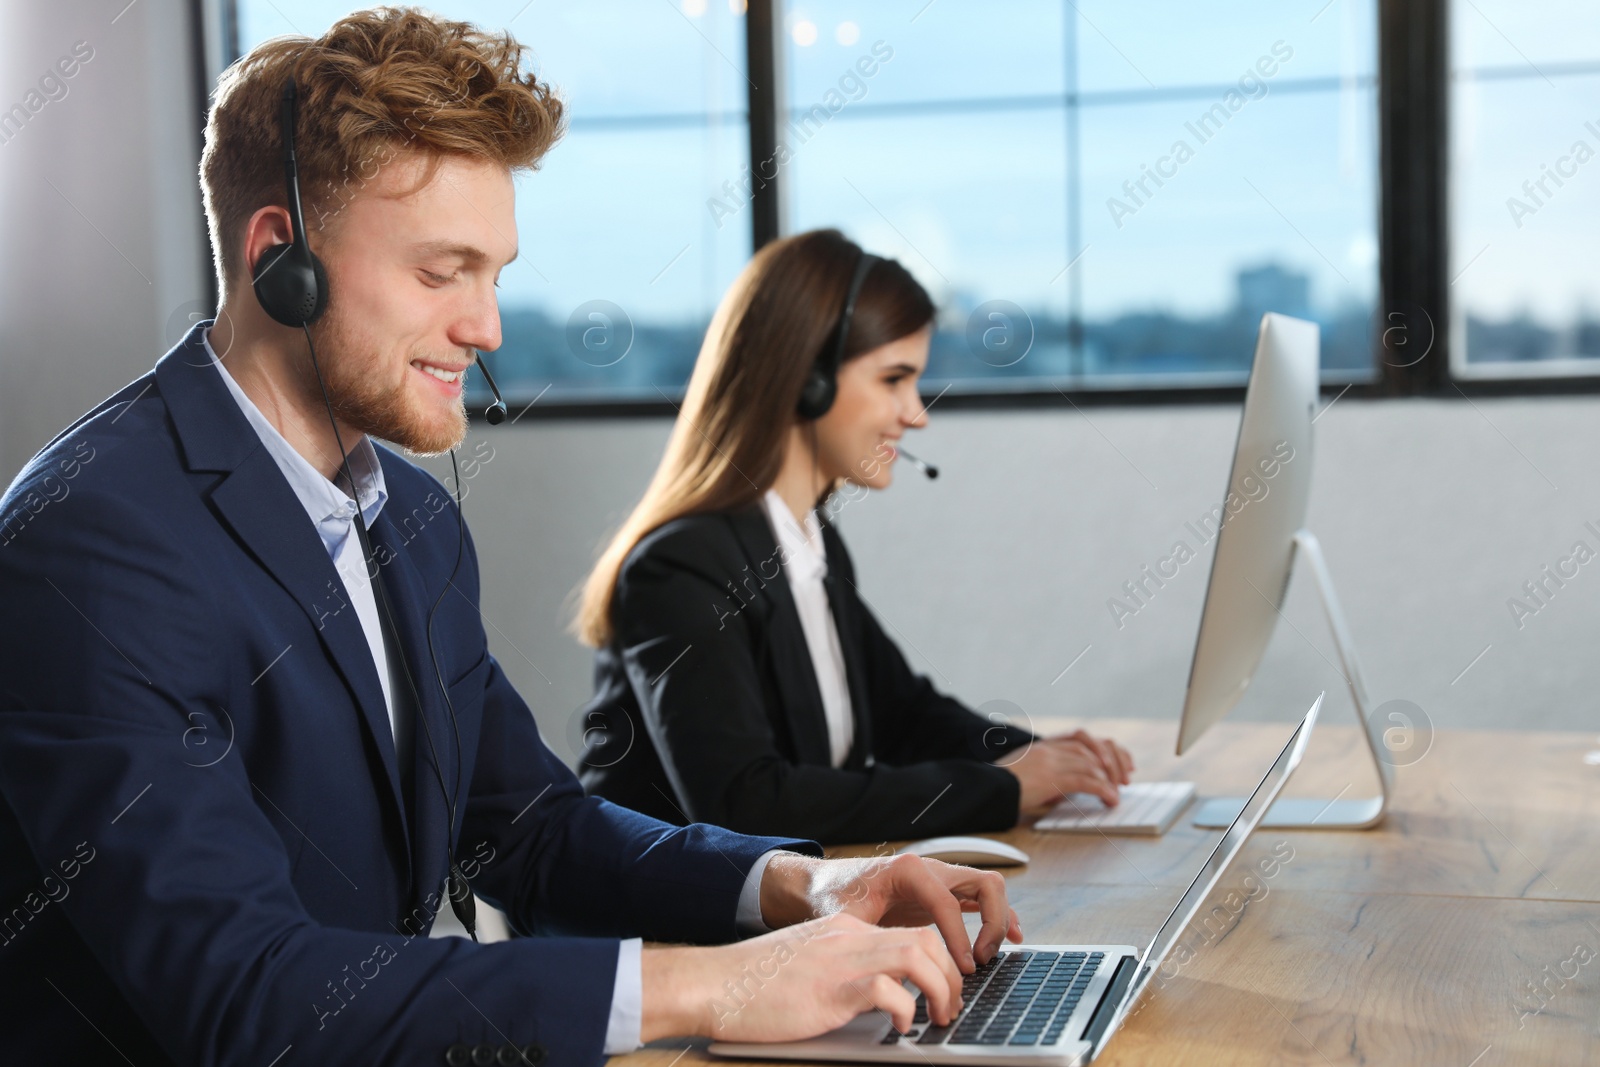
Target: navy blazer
x,y
706,703
205,854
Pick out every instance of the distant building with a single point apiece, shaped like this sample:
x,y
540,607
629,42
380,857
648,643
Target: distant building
x,y
1272,287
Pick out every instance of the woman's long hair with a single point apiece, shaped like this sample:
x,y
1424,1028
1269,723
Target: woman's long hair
x,y
727,445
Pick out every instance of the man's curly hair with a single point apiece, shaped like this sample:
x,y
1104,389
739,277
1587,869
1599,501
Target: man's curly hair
x,y
378,84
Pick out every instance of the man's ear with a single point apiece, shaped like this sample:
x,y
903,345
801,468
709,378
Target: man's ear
x,y
267,227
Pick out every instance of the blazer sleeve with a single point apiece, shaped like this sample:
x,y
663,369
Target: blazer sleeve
x,y
911,720
568,864
187,902
693,669
914,721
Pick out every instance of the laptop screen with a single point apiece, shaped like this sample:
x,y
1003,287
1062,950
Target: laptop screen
x,y
1233,839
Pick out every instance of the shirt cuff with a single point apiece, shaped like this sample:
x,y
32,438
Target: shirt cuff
x,y
749,919
627,999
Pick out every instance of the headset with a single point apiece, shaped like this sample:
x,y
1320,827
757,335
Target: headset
x,y
292,287
822,384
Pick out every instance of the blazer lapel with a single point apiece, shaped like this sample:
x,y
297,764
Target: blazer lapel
x,y
785,640
256,502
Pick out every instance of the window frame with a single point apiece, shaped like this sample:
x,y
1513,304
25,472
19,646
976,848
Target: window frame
x,y
1413,102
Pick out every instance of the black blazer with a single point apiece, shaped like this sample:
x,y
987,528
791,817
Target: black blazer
x,y
707,709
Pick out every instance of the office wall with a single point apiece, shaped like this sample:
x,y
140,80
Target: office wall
x,y
996,577
1432,513
99,207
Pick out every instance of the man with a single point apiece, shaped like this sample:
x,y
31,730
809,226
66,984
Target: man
x,y
233,784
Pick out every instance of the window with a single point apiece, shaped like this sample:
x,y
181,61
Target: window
x,y
1092,203
1099,196
621,263
1525,134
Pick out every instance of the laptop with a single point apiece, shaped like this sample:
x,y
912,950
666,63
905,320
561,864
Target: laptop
x,y
1041,1004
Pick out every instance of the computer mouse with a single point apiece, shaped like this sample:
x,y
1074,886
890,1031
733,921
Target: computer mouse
x,y
967,851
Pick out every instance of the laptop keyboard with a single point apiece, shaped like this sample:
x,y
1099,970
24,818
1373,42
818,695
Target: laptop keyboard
x,y
1017,998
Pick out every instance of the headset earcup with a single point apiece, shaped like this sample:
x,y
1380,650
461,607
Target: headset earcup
x,y
320,276
816,397
291,290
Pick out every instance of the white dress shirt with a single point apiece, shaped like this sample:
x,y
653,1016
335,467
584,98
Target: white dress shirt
x,y
332,512
805,562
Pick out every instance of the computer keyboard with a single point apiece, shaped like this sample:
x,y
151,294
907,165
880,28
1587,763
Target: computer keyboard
x,y
1017,998
1143,808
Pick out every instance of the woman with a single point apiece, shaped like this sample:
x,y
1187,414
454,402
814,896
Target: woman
x,y
740,678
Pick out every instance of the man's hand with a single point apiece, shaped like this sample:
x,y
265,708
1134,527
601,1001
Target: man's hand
x,y
850,932
1049,769
893,891
797,982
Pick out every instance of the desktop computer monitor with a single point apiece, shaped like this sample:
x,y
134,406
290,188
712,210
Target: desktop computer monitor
x,y
1262,530
1263,508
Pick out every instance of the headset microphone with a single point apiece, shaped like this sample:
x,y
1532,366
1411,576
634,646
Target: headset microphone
x,y
921,464
496,412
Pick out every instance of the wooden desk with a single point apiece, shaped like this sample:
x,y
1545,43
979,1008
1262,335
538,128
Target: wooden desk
x,y
1464,932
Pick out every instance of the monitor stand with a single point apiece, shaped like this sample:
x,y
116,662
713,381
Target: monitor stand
x,y
1318,813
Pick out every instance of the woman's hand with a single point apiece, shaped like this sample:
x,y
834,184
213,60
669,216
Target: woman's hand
x,y
1116,760
1067,763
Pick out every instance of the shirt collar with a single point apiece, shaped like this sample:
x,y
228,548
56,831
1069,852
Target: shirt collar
x,y
802,550
328,505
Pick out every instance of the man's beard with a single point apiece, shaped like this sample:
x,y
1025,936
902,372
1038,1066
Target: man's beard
x,y
366,394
